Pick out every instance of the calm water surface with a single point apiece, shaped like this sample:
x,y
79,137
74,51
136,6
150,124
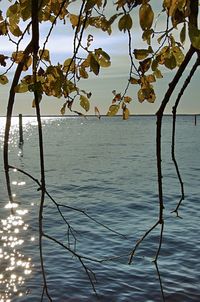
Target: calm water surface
x,y
107,169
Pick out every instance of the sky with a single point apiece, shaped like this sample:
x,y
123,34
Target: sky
x,y
114,77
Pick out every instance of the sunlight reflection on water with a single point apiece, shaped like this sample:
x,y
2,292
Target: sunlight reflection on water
x,y
15,266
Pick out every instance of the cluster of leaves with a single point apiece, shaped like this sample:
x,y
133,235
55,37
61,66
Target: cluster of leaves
x,y
118,102
146,64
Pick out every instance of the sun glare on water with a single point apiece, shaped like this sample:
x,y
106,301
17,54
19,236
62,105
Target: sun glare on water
x,y
15,266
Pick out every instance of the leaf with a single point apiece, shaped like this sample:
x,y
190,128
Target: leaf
x,y
170,62
15,30
125,23
12,10
145,65
178,54
90,4
113,109
141,96
84,102
126,113
102,57
183,34
17,56
146,94
194,35
3,28
158,74
3,80
74,19
44,55
154,65
62,110
127,99
94,65
141,54
20,88
150,78
27,63
2,60
146,16
134,81
68,65
83,73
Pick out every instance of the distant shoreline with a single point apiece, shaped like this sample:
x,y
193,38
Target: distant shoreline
x,y
115,116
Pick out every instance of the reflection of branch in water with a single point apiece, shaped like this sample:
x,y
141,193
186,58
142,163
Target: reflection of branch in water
x,y
72,232
174,110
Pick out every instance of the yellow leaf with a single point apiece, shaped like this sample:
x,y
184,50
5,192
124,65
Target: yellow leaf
x,y
17,56
126,114
178,54
170,62
134,81
158,74
83,73
84,102
146,16
125,23
94,65
74,19
141,54
62,110
127,99
68,65
20,88
113,109
44,54
3,79
150,78
15,30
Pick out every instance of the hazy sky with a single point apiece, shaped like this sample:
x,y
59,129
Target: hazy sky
x,y
101,87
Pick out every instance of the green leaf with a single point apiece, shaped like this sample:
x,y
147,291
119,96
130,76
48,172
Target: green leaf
x,y
113,109
125,23
84,102
3,80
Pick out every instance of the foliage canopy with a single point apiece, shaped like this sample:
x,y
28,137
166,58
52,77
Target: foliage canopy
x,y
163,47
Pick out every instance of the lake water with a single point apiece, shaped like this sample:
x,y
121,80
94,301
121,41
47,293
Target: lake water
x,y
106,168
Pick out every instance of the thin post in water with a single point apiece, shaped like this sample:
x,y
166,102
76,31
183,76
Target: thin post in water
x,y
195,120
21,140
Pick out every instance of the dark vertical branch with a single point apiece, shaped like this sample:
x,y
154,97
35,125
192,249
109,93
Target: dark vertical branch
x,y
35,39
174,110
11,101
159,115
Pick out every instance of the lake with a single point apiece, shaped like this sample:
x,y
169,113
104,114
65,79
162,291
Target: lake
x,y
104,173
